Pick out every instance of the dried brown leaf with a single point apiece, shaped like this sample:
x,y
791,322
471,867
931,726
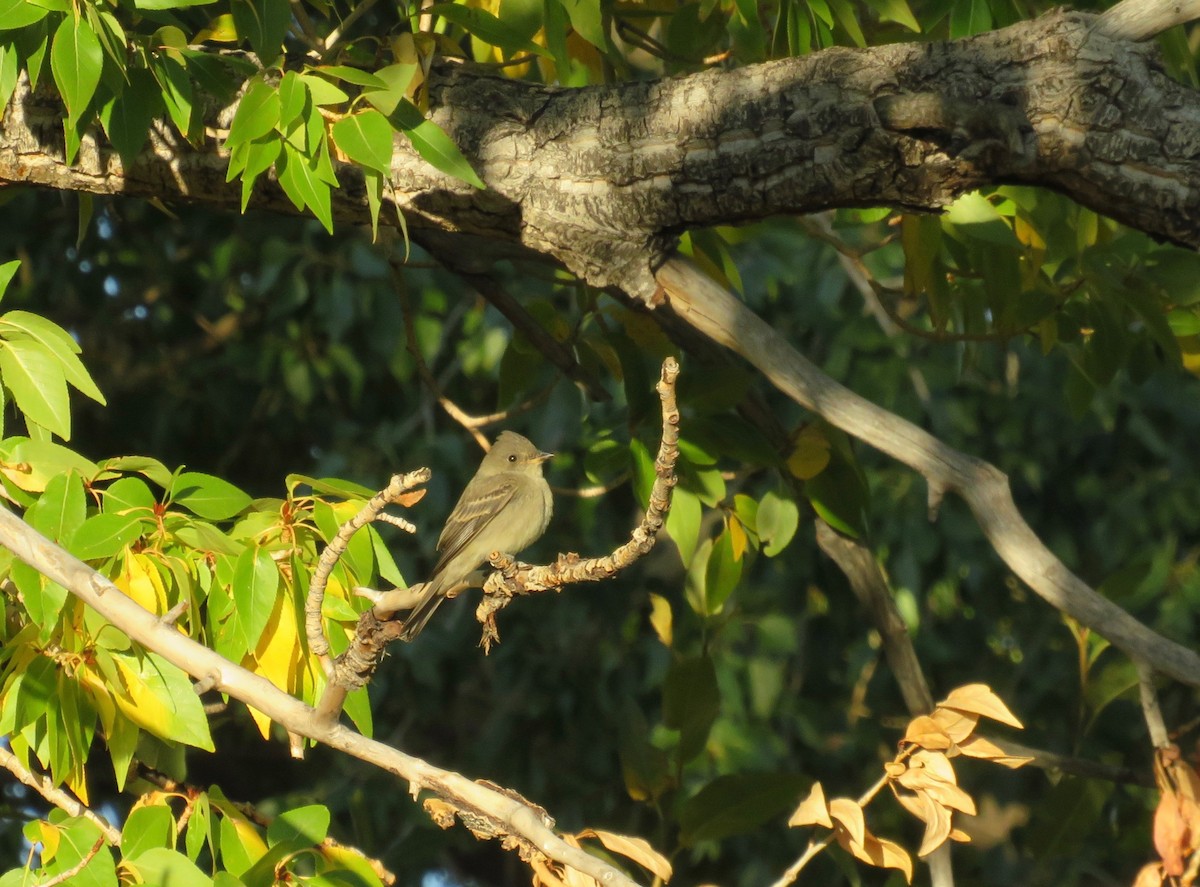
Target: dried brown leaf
x,y
978,747
850,815
812,810
979,699
960,836
637,849
1150,875
927,733
947,794
957,725
879,852
1171,837
937,826
411,498
935,762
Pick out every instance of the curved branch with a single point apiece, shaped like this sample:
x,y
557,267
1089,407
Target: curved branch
x,y
486,810
718,314
45,787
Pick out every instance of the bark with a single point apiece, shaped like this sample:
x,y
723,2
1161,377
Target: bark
x,y
603,179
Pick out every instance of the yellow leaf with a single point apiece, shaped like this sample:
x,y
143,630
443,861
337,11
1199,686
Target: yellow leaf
x,y
139,580
880,853
637,849
979,699
944,793
850,815
812,810
279,656
811,453
50,837
661,619
140,704
737,537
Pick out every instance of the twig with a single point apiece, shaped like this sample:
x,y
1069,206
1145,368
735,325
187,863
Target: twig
x,y
401,486
308,34
706,305
869,586
512,578
335,35
65,877
45,787
555,351
1159,735
1050,760
514,822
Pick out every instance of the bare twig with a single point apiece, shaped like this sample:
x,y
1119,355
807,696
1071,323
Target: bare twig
x,y
512,578
67,876
335,35
707,306
45,787
485,809
400,486
1157,727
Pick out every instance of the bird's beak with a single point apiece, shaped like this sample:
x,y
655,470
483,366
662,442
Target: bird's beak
x,y
542,457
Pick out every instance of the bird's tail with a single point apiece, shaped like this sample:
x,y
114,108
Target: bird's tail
x,y
421,613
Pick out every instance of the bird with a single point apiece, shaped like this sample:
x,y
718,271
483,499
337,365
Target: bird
x,y
506,507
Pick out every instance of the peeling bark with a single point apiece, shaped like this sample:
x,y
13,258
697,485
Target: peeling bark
x,y
603,179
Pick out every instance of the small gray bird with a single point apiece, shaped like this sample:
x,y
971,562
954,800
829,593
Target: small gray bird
x,y
506,507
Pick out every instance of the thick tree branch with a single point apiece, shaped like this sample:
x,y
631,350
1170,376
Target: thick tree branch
x,y
720,315
486,810
601,179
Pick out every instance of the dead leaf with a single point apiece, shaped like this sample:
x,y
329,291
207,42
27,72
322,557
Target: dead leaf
x,y
947,794
1150,875
850,815
955,724
411,498
927,733
937,826
880,853
979,699
812,810
637,849
978,747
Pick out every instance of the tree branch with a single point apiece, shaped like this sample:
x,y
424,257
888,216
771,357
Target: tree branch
x,y
58,797
707,306
486,810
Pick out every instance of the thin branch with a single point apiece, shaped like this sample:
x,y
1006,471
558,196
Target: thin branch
x,y
486,810
61,799
335,35
1053,761
398,491
706,305
555,351
868,584
69,874
1159,735
512,578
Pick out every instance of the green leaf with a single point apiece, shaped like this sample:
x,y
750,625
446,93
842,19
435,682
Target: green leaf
x,y
482,24
10,72
683,522
261,155
208,496
162,865
77,838
103,535
176,89
839,495
969,17
293,97
170,4
59,342
32,464
1184,322
722,574
127,117
777,520
301,825
434,146
263,23
76,58
393,91
691,702
147,828
587,20
897,11
7,270
357,76
323,92
737,803
366,138
19,13
127,494
61,509
159,698
256,115
300,180
151,468
255,583
848,20
35,378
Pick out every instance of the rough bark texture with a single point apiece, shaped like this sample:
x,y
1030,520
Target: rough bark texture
x,y
602,179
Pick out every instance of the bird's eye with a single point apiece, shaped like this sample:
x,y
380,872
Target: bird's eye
x,y
512,457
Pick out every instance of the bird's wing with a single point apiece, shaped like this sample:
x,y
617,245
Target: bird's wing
x,y
477,508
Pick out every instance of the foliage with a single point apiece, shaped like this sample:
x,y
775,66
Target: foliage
x,y
726,676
